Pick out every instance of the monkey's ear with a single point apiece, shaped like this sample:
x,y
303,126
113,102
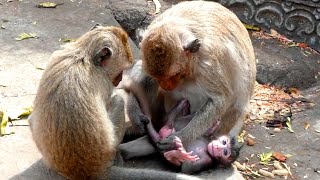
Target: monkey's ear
x,y
103,55
192,46
233,140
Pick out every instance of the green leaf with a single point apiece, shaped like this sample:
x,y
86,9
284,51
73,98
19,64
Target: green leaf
x,y
265,157
288,123
23,36
251,27
4,122
17,113
48,5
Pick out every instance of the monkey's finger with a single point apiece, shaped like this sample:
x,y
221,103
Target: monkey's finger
x,y
143,119
190,152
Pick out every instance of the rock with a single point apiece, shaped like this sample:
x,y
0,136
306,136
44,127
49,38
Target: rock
x,y
285,67
276,130
131,14
277,65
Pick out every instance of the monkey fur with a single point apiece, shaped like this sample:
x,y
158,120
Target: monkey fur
x,y
200,51
78,122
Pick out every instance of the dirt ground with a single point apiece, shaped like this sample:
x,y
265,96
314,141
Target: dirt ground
x,y
20,63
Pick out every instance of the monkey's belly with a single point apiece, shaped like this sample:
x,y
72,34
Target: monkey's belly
x,y
196,96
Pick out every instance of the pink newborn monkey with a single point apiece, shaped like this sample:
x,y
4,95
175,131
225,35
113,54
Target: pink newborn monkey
x,y
201,154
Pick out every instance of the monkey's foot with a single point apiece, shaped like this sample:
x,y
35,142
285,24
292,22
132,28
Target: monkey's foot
x,y
180,155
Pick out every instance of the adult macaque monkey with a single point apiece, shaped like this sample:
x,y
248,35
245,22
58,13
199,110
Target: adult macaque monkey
x,y
200,51
76,124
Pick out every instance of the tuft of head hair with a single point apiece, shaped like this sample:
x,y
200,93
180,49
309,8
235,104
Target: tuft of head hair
x,y
123,36
160,51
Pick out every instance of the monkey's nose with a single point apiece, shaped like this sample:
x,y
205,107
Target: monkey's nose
x,y
167,85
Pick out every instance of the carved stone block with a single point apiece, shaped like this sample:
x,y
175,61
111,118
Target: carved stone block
x,y
298,20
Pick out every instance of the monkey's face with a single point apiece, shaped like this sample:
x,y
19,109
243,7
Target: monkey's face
x,y
224,150
220,148
166,55
113,52
164,62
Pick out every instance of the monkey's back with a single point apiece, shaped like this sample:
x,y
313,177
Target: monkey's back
x,y
226,42
70,123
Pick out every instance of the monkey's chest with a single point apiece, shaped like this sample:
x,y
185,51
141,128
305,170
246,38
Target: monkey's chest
x,y
196,96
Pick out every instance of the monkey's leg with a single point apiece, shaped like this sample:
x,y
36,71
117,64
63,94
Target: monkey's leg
x,y
212,129
191,167
137,148
196,128
182,107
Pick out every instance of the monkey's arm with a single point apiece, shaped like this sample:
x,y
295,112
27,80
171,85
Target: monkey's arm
x,y
197,127
191,167
117,116
137,148
136,116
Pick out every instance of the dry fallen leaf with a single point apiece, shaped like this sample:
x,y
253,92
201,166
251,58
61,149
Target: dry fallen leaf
x,y
280,172
306,126
274,33
276,130
277,165
239,166
278,156
249,141
240,138
266,173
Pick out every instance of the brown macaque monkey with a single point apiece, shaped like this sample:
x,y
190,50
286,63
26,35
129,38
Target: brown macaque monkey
x,y
200,51
201,154
77,124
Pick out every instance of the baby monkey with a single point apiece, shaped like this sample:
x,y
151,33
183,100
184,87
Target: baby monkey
x,y
208,151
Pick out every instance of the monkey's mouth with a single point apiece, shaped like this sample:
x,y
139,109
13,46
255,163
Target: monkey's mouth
x,y
117,80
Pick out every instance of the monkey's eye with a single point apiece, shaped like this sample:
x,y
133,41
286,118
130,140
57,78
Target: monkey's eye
x,y
225,152
224,142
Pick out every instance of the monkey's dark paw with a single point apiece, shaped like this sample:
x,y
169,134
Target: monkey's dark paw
x,y
141,123
143,119
167,144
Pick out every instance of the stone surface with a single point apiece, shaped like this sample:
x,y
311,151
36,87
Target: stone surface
x,y
303,144
131,14
297,19
19,76
285,67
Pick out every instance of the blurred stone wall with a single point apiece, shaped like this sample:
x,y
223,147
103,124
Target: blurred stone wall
x,y
298,20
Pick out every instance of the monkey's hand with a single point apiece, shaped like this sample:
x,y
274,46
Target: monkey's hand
x,y
180,155
141,123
